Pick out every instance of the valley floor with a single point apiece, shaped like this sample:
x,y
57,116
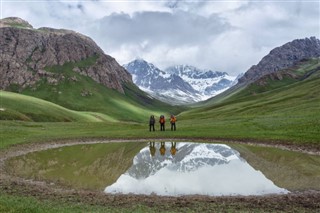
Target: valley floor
x,y
35,196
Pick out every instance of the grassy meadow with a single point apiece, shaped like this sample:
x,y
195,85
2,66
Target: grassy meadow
x,y
287,114
270,110
290,170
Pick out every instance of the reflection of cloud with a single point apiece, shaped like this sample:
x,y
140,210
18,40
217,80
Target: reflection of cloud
x,y
225,36
235,178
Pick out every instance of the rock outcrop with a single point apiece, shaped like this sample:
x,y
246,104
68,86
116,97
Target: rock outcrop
x,y
25,53
283,57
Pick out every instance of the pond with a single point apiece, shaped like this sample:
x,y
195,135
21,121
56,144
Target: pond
x,y
169,168
192,168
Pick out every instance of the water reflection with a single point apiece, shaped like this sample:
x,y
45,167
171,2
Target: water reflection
x,y
192,168
162,149
173,149
152,148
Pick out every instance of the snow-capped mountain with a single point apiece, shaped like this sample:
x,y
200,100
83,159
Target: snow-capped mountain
x,y
207,82
147,76
209,169
160,84
178,84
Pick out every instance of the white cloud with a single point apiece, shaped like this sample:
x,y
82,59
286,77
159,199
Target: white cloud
x,y
207,8
220,35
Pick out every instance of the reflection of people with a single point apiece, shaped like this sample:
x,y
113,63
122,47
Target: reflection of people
x,y
162,121
162,148
152,149
173,122
151,122
173,148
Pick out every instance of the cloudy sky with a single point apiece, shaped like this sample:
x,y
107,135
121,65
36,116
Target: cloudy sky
x,y
223,35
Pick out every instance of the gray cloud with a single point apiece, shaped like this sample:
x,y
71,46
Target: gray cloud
x,y
172,29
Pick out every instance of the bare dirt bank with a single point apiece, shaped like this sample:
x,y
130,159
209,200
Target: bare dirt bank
x,y
305,200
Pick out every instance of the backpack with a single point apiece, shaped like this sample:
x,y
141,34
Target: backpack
x,y
152,120
162,119
173,119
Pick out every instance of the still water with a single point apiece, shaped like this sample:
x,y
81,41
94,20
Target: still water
x,y
170,168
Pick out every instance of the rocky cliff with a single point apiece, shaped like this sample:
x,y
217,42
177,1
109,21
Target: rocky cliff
x,y
26,53
283,57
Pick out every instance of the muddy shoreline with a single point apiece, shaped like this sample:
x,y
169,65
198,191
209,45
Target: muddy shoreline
x,y
12,185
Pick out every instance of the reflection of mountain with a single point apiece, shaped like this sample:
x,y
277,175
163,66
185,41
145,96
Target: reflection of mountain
x,y
206,169
189,157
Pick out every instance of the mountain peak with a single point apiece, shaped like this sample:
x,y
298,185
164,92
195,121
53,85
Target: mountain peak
x,y
193,72
14,22
139,60
141,66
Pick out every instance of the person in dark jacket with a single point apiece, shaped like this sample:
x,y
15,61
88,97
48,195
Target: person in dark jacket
x,y
151,123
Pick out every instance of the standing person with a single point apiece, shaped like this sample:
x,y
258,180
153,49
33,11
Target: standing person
x,y
151,122
173,122
162,121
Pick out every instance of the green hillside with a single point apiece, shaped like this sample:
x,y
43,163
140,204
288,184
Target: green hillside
x,y
81,93
26,108
286,107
